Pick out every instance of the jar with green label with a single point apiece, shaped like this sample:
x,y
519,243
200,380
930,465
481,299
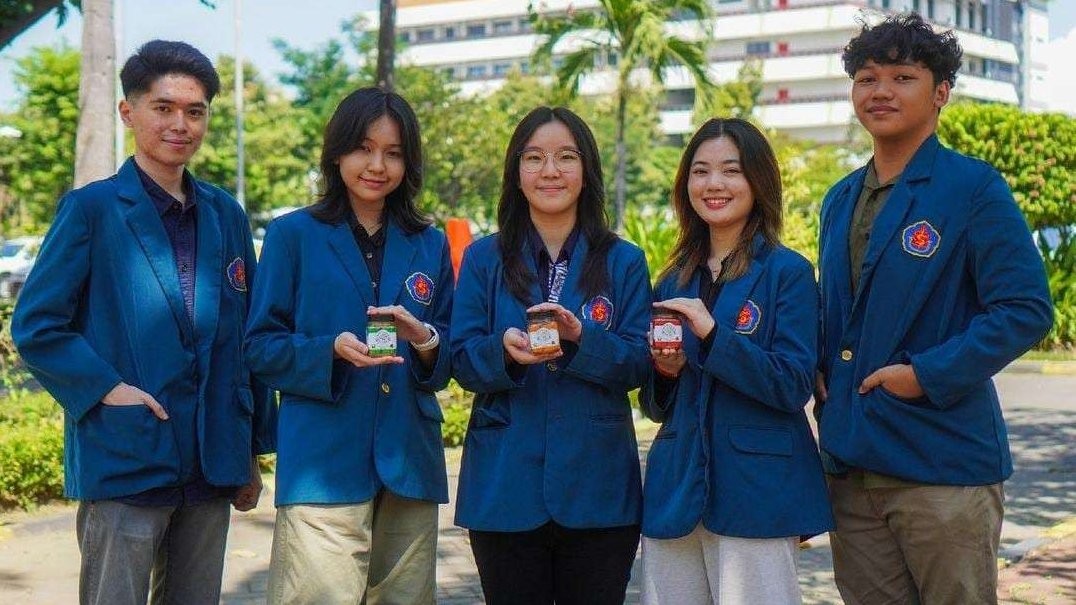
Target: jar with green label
x,y
381,335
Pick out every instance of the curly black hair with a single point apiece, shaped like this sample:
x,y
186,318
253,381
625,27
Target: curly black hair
x,y
903,38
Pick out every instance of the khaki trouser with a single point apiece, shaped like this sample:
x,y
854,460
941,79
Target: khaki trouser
x,y
929,544
379,552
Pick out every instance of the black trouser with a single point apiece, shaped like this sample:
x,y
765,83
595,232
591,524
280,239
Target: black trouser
x,y
555,564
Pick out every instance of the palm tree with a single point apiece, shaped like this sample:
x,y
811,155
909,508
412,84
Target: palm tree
x,y
632,31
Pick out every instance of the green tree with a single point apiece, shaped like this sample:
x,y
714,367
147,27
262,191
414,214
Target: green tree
x,y
276,156
626,35
37,167
1036,153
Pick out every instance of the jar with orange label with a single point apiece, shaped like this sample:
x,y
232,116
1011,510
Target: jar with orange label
x,y
543,333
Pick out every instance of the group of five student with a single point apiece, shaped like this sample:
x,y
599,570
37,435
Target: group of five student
x,y
929,284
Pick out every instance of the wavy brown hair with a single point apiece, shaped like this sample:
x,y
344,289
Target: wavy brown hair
x,y
760,168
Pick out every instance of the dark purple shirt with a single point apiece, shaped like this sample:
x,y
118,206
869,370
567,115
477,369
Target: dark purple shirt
x,y
181,225
545,265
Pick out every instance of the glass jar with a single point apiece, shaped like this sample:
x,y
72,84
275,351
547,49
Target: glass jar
x,y
381,335
543,333
666,330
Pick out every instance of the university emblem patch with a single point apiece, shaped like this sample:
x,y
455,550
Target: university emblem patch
x,y
237,274
599,310
420,287
749,317
920,239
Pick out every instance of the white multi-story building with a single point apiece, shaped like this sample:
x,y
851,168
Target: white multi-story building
x,y
797,42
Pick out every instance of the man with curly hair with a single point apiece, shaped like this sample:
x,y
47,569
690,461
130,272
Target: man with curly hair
x,y
930,284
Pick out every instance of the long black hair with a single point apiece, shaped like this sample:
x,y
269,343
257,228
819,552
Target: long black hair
x,y
762,173
345,132
513,212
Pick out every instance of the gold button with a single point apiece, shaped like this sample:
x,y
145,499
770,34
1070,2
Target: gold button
x,y
846,355
385,388
552,367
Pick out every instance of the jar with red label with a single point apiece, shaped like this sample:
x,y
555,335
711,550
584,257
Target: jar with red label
x,y
666,330
543,333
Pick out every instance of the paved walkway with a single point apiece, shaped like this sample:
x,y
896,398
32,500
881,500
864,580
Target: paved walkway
x,y
39,558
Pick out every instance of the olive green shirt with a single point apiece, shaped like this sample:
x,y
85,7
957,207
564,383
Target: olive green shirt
x,y
872,198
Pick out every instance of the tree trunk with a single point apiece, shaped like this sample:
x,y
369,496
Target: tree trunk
x,y
621,182
95,138
386,45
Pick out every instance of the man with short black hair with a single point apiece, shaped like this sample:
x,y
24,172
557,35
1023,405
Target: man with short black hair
x,y
930,285
133,320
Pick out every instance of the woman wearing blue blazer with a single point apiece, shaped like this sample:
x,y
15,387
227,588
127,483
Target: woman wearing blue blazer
x,y
361,468
733,478
549,481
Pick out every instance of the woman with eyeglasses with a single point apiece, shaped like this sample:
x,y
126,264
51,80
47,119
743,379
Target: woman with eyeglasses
x,y
549,482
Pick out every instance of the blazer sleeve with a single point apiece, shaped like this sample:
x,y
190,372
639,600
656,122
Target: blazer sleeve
x,y
1010,282
781,376
44,323
619,358
436,378
278,356
478,357
265,409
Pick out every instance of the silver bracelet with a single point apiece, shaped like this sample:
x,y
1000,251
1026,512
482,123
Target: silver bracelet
x,y
429,345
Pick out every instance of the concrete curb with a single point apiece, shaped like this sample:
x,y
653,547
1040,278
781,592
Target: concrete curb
x,y
1027,366
1015,553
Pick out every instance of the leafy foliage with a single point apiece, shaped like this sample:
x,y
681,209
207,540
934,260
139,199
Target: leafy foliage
x,y
31,451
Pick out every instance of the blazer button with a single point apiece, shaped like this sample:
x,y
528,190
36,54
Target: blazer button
x,y
846,355
385,388
552,367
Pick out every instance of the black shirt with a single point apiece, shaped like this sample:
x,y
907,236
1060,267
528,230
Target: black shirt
x,y
372,248
547,268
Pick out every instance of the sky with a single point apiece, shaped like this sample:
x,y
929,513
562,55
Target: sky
x,y
301,24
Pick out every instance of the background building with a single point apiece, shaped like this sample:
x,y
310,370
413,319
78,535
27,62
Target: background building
x,y
797,42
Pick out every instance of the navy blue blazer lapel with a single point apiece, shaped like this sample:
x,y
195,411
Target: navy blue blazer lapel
x,y
396,265
210,270
836,256
144,221
571,296
347,251
733,296
892,216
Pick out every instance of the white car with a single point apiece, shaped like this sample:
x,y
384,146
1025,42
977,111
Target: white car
x,y
17,256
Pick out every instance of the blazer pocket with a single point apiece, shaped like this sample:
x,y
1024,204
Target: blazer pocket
x,y
484,417
610,418
428,407
758,440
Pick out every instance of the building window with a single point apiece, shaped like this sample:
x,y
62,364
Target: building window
x,y
524,25
758,48
885,4
449,72
501,70
524,67
916,6
425,35
450,33
476,31
971,17
404,36
612,58
959,13
475,72
930,9
502,27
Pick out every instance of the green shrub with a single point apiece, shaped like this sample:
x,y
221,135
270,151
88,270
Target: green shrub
x,y
31,451
456,405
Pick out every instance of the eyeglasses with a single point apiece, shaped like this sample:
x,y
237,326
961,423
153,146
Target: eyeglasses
x,y
564,160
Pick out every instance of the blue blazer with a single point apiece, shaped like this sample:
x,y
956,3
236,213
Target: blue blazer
x,y
345,432
734,449
103,305
556,440
953,284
